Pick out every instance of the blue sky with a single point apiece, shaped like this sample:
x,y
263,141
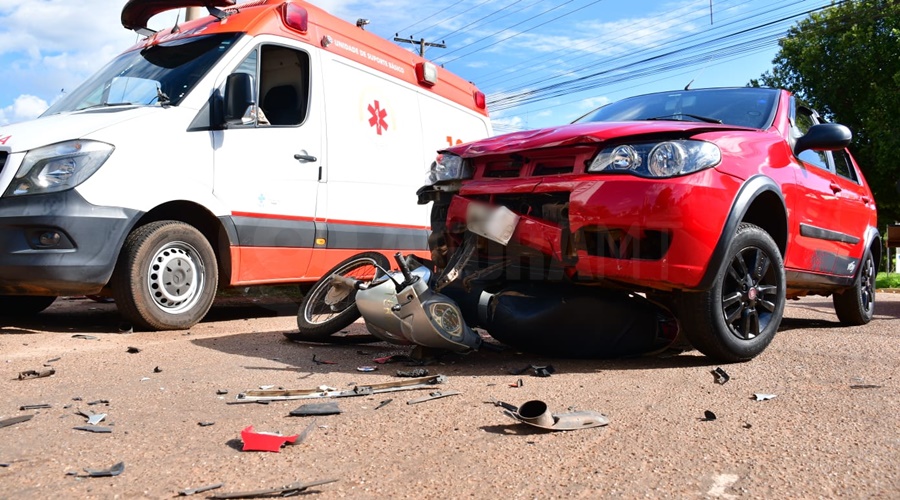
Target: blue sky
x,y
540,62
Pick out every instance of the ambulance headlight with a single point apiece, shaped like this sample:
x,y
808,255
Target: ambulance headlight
x,y
449,167
58,167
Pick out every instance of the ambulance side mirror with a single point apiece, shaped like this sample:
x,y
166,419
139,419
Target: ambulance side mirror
x,y
239,98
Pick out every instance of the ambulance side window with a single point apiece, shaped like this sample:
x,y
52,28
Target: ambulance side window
x,y
283,85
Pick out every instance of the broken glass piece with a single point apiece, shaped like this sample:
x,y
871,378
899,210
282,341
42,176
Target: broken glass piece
x,y
764,397
115,470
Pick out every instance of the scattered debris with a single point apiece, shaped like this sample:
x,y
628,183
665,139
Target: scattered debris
x,y
517,383
501,404
323,362
264,441
536,414
537,371
433,395
316,409
201,489
764,397
416,373
306,432
132,350
205,424
283,491
144,379
330,392
97,402
115,470
15,420
54,360
747,425
865,386
266,387
708,416
29,374
366,368
222,392
93,418
157,370
99,429
393,358
383,403
4,464
38,406
84,337
126,328
721,376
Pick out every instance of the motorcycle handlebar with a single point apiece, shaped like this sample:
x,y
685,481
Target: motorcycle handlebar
x,y
404,267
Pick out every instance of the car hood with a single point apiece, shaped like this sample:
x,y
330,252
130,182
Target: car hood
x,y
24,136
581,133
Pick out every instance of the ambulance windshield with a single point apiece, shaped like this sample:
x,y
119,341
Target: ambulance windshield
x,y
158,75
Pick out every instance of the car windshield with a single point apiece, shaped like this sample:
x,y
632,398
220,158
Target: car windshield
x,y
161,74
745,107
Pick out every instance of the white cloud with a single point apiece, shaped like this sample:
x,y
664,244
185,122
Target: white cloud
x,y
25,107
593,102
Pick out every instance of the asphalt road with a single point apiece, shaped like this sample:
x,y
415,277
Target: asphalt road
x,y
832,429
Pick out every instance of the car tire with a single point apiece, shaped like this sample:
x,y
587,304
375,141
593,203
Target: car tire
x,y
856,305
738,317
21,306
166,276
327,309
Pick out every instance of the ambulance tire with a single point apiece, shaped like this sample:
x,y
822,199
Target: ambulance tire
x,y
166,276
21,306
318,321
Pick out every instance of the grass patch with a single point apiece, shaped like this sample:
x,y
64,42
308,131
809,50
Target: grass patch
x,y
887,280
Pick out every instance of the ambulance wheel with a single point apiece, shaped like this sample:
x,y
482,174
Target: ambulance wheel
x,y
20,306
166,276
330,306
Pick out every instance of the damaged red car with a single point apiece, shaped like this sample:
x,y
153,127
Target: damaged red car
x,y
710,207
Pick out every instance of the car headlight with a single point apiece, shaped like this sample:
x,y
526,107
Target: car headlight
x,y
657,159
449,167
58,167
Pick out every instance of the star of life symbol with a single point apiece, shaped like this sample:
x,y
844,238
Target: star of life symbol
x,y
378,116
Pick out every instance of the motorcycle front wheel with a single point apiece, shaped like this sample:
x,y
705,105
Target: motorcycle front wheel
x,y
330,306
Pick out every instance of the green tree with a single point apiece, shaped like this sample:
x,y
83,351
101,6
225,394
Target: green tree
x,y
845,62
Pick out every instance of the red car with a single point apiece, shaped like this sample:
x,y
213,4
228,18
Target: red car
x,y
719,204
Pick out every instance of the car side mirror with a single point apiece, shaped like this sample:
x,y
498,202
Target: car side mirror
x,y
239,98
824,137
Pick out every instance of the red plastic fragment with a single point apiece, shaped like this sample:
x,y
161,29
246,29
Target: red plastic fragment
x,y
264,441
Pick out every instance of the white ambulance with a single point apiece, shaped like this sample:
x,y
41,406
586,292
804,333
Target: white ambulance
x,y
261,144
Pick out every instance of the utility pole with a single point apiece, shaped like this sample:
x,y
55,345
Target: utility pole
x,y
421,43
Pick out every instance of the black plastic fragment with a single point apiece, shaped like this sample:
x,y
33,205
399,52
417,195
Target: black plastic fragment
x,y
865,386
383,403
201,489
157,370
205,424
38,406
15,420
133,350
98,402
708,416
99,429
721,376
315,409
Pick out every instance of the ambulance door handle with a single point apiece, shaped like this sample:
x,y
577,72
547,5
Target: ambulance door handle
x,y
304,157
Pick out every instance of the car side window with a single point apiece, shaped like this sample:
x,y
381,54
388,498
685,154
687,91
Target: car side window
x,y
803,121
283,90
843,166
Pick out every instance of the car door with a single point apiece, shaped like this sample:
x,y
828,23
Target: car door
x,y
822,243
267,169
